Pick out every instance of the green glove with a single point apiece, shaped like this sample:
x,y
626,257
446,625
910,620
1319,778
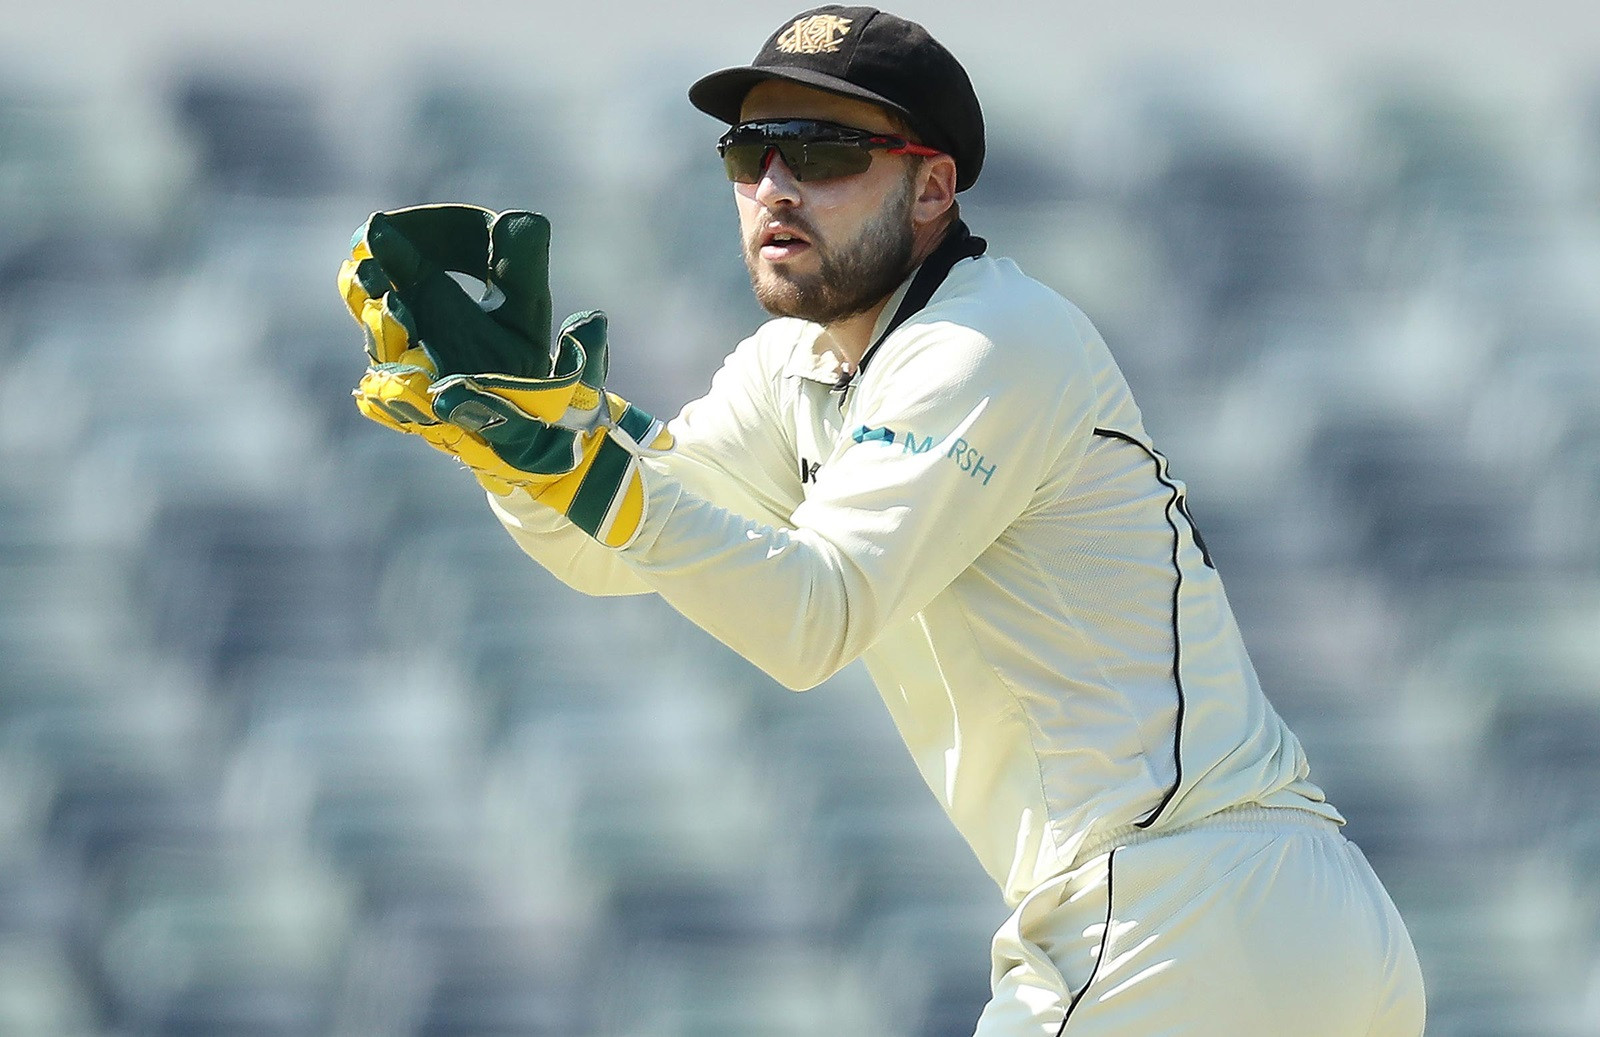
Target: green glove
x,y
476,378
401,259
585,464
508,253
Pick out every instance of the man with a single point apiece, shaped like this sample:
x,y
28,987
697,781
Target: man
x,y
929,462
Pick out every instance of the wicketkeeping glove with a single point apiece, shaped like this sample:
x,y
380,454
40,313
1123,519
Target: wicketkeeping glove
x,y
478,378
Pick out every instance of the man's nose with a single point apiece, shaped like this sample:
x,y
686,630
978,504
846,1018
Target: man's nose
x,y
777,184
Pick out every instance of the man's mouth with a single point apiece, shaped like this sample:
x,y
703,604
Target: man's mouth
x,y
780,243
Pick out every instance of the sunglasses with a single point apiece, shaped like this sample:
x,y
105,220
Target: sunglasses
x,y
812,150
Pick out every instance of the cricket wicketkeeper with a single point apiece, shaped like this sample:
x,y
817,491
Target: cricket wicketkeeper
x,y
929,462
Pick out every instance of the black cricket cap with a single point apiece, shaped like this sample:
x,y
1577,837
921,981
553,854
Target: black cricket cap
x,y
865,53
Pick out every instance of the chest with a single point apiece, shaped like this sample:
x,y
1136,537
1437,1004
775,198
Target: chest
x,y
819,420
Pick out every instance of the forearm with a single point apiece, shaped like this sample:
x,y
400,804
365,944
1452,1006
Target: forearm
x,y
571,556
697,465
786,599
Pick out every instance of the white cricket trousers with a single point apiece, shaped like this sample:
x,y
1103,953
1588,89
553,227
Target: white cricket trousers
x,y
1252,923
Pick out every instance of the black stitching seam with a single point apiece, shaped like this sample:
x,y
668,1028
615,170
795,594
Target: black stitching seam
x,y
1177,643
1105,945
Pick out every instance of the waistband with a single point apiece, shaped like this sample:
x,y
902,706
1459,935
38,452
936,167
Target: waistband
x,y
1247,818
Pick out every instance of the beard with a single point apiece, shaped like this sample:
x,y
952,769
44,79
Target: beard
x,y
851,277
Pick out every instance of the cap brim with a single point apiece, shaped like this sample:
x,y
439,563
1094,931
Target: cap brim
x,y
721,94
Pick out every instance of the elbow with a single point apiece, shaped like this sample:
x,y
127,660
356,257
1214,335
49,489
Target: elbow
x,y
798,680
810,650
803,672
795,658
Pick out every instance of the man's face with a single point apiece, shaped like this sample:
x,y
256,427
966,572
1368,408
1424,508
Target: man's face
x,y
825,250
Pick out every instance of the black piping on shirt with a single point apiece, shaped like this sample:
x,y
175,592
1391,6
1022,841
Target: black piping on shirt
x,y
1175,502
958,243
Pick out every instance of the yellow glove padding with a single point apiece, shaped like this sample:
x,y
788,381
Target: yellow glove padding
x,y
544,423
567,442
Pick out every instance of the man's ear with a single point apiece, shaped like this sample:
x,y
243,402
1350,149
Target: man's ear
x,y
936,188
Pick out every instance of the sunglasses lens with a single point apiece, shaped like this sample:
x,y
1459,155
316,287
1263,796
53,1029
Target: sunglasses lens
x,y
744,162
807,160
824,160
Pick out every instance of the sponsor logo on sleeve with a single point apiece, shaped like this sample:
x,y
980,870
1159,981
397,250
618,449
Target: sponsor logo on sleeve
x,y
967,457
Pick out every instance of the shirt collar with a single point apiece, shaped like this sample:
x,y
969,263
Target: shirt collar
x,y
815,357
820,362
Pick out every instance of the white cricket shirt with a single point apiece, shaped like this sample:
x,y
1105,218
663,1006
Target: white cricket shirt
x,y
981,518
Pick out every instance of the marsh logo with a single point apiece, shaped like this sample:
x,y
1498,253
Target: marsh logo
x,y
967,457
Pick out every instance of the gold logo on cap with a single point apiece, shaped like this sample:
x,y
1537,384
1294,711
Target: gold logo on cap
x,y
818,34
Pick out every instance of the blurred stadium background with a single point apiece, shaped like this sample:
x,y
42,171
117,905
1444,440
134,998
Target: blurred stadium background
x,y
294,742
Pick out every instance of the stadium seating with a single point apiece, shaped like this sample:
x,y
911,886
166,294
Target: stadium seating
x,y
293,741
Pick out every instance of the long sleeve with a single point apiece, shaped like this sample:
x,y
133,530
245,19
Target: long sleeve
x,y
947,439
730,447
984,522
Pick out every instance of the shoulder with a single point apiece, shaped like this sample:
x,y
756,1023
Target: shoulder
x,y
995,297
989,315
